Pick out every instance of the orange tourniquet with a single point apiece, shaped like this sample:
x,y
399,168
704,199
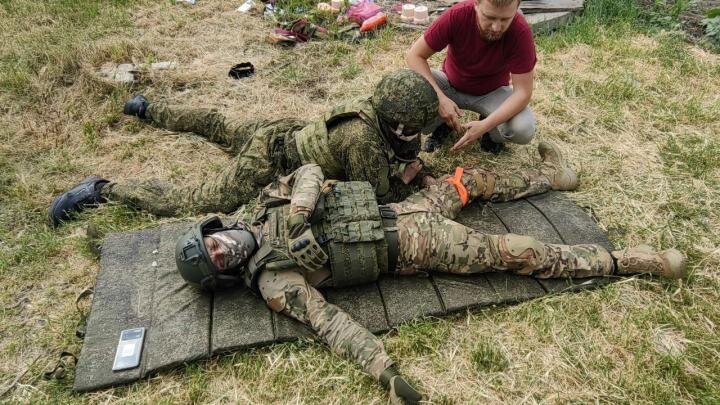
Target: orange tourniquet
x,y
457,182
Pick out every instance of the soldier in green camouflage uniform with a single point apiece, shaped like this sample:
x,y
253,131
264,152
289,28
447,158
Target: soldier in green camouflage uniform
x,y
280,256
371,139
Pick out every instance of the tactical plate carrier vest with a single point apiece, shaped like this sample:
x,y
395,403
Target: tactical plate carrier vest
x,y
359,237
313,142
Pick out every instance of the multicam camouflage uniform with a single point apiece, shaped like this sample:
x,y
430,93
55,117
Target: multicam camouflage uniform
x,y
428,240
350,142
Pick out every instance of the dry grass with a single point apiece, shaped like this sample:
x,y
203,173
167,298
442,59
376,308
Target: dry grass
x,y
638,115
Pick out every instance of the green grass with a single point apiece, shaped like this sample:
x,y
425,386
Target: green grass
x,y
623,93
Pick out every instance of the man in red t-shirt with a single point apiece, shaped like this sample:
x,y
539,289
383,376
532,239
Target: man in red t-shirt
x,y
488,42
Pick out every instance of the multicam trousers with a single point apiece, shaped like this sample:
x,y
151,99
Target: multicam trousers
x,y
430,240
254,143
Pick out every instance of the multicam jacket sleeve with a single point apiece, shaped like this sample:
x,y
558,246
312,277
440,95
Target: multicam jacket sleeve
x,y
301,188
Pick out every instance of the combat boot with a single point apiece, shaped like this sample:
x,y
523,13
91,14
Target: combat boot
x,y
668,263
136,106
401,392
561,176
86,194
488,145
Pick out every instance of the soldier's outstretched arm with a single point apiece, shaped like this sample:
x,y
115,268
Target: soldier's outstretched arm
x,y
288,292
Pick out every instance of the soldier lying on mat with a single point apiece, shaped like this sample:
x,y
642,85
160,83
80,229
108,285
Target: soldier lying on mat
x,y
308,233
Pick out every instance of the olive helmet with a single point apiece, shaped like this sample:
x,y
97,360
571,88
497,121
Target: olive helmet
x,y
405,97
194,262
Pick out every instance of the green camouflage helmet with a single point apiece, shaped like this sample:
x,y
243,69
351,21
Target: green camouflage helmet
x,y
405,97
193,260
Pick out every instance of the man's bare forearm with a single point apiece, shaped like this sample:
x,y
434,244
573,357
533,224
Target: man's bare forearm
x,y
418,62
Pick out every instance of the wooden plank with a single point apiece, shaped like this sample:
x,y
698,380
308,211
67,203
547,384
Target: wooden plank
x,y
180,312
363,303
240,320
122,300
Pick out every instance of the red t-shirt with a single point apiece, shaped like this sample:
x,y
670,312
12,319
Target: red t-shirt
x,y
473,65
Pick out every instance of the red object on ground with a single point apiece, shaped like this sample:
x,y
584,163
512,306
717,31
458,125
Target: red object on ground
x,y
373,22
362,11
474,65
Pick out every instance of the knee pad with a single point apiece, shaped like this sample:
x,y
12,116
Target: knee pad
x,y
521,248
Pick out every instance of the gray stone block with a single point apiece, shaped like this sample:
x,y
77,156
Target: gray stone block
x,y
240,319
180,330
523,218
545,22
459,292
573,224
122,300
407,297
514,288
363,303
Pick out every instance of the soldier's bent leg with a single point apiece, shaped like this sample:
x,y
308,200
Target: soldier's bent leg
x,y
451,193
288,292
206,122
429,241
444,198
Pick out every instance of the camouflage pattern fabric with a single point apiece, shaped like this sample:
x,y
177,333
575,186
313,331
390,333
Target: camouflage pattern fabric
x,y
253,168
265,150
209,123
287,291
431,240
301,188
428,241
405,97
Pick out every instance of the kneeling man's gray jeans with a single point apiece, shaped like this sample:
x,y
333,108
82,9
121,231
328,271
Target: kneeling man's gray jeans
x,y
519,129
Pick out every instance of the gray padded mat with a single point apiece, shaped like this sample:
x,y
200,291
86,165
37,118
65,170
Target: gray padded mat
x,y
139,286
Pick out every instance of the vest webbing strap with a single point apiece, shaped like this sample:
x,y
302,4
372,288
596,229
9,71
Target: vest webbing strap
x,y
389,221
